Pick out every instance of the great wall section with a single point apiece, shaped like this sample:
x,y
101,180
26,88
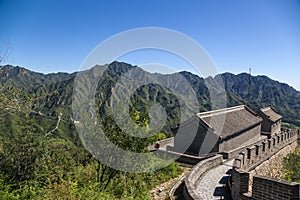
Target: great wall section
x,y
251,172
256,170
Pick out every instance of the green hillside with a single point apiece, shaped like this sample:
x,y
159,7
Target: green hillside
x,y
42,157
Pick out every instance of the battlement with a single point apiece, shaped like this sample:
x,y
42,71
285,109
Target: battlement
x,y
252,156
247,181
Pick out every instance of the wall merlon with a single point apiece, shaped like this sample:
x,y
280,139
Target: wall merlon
x,y
277,140
253,155
264,144
273,141
237,163
242,155
269,142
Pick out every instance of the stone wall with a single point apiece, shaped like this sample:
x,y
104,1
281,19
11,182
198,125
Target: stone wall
x,y
261,159
276,127
274,189
161,143
266,125
180,157
235,152
272,167
250,135
191,181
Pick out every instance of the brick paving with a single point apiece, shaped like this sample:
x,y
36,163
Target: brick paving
x,y
211,184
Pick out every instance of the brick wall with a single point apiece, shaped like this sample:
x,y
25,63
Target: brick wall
x,y
165,142
262,159
274,189
240,183
248,136
276,127
266,125
272,167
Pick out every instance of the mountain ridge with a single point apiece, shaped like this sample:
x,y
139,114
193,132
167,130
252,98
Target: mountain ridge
x,y
74,73
264,90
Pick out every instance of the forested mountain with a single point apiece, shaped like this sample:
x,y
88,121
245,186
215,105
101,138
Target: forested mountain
x,y
42,157
264,92
54,91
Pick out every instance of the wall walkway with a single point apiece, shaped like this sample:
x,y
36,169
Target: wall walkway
x,y
212,185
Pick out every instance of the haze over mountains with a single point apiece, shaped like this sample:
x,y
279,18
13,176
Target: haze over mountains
x,y
54,92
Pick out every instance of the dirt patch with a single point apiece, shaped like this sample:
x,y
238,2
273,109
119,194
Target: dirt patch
x,y
161,191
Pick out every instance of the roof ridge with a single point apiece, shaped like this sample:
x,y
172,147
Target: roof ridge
x,y
267,112
266,108
269,107
223,110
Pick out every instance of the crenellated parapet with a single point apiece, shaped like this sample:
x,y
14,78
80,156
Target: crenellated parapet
x,y
252,156
244,181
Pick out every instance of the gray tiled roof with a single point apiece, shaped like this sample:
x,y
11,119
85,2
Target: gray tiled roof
x,y
271,113
236,119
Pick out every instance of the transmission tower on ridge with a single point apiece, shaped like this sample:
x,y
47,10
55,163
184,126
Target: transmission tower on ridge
x,y
249,87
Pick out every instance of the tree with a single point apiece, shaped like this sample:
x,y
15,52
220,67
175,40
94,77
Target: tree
x,y
20,149
292,166
5,54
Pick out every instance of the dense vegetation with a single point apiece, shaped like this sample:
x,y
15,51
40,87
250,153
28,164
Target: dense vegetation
x,y
291,166
42,157
38,163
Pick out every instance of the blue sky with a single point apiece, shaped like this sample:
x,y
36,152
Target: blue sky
x,y
57,35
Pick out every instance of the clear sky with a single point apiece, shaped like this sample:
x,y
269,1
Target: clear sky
x,y
57,35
